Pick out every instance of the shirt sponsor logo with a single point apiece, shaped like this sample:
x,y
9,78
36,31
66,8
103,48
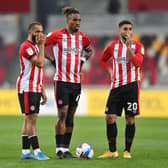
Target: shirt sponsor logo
x,y
121,60
72,50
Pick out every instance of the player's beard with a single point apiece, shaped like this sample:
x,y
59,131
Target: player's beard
x,y
34,39
76,29
124,38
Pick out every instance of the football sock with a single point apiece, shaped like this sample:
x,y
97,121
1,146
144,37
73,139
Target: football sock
x,y
34,142
60,149
129,136
67,139
59,141
111,136
25,142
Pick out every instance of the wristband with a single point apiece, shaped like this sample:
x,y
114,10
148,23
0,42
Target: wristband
x,y
83,59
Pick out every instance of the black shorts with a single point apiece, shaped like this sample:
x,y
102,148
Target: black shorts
x,y
126,97
29,102
67,93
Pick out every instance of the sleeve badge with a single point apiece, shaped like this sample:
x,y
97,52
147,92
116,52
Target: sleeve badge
x,y
29,51
142,51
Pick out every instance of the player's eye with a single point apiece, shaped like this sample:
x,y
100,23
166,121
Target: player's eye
x,y
126,28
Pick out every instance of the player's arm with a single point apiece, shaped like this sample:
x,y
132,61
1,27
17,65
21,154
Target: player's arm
x,y
136,58
39,60
49,57
44,97
88,51
105,57
104,61
51,39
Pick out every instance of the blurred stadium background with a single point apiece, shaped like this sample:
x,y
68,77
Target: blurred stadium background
x,y
99,22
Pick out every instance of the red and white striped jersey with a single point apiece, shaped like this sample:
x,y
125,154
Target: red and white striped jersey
x,y
124,69
67,49
31,76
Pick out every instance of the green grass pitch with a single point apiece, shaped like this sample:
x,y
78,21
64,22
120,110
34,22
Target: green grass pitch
x,y
150,148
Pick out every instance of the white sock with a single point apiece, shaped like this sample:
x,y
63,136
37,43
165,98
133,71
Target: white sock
x,y
25,151
36,151
60,149
66,149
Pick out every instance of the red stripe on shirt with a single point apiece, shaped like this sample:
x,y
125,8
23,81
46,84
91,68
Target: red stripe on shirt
x,y
128,72
68,63
60,62
77,59
120,65
114,73
26,102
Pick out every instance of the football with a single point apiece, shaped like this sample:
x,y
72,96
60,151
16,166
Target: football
x,y
85,151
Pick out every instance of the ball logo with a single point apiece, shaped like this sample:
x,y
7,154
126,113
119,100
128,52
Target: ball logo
x,y
84,151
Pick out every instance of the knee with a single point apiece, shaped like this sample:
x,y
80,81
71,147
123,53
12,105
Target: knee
x,y
130,120
110,119
31,119
62,113
62,116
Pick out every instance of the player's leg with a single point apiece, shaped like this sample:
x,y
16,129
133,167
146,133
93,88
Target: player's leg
x,y
32,104
62,100
68,132
111,131
60,129
26,153
31,130
75,90
131,109
129,135
113,109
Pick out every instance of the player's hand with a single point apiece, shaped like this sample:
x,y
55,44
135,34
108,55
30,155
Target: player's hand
x,y
128,41
40,39
44,97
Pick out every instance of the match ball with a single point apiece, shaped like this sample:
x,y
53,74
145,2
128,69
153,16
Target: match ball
x,y
85,151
